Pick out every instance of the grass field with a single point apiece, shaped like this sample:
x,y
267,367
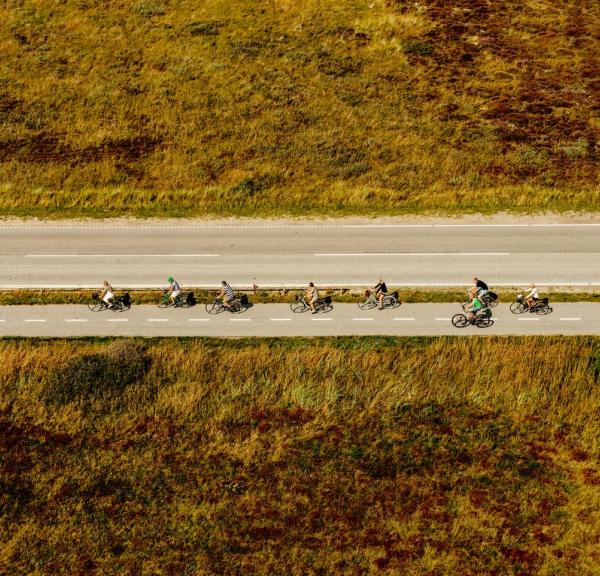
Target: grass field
x,y
174,107
324,456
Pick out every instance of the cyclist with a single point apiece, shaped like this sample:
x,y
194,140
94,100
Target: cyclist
x,y
312,295
380,291
174,289
532,297
107,294
479,288
474,307
226,294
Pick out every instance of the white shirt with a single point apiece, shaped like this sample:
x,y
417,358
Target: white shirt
x,y
533,293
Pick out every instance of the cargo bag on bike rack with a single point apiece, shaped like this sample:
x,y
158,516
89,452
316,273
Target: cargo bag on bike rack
x,y
244,300
492,295
126,299
190,299
327,300
396,295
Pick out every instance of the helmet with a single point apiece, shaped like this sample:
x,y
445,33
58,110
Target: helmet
x,y
170,278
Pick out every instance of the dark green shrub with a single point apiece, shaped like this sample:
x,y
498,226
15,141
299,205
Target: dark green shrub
x,y
98,376
417,48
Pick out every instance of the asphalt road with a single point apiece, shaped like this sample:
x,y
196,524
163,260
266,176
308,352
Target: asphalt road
x,y
291,253
279,320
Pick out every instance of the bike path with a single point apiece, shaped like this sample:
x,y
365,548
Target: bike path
x,y
278,320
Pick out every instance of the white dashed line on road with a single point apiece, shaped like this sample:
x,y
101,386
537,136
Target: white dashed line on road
x,y
570,319
442,319
280,319
117,320
147,255
528,319
35,320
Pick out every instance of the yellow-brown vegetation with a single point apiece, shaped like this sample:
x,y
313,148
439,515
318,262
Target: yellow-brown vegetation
x,y
334,456
343,295
178,107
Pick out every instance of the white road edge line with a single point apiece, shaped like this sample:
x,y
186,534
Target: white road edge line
x,y
293,226
413,254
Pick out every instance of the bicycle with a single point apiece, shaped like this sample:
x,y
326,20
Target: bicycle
x,y
541,306
300,304
482,319
236,306
372,301
182,300
119,303
488,300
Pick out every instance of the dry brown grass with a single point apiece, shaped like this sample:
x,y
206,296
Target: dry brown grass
x,y
335,456
164,107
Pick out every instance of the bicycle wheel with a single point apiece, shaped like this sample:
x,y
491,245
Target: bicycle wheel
x,y
390,302
543,309
517,307
367,304
235,307
298,306
459,320
483,321
488,301
96,306
214,307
